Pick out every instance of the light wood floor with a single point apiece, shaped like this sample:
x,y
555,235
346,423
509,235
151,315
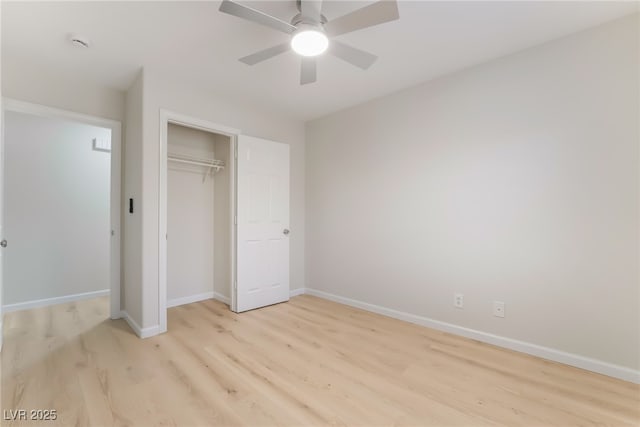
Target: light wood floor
x,y
306,362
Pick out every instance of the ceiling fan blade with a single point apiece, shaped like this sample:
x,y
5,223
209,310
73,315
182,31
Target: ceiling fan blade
x,y
311,9
308,71
374,14
353,56
263,55
246,12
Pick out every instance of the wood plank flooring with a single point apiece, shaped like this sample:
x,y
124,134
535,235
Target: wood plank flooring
x,y
302,363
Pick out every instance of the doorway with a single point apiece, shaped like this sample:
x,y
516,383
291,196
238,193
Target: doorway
x,y
255,233
197,212
62,207
198,216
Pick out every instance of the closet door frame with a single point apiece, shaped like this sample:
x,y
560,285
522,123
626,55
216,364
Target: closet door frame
x,y
169,117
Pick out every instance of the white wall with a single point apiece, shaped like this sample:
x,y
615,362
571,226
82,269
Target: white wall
x,y
161,92
131,299
57,215
190,216
516,180
26,82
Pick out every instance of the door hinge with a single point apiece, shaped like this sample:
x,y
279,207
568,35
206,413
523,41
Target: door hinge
x,y
235,220
235,151
235,285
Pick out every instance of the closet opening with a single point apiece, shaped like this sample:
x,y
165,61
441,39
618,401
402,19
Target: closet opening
x,y
199,196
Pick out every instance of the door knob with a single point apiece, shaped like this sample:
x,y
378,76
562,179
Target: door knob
x,y
285,231
3,243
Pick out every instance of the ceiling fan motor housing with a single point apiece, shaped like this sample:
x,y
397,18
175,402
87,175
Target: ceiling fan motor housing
x,y
299,19
304,26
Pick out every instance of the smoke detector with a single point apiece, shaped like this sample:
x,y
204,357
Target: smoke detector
x,y
79,41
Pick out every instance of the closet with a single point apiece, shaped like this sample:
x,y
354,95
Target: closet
x,y
198,216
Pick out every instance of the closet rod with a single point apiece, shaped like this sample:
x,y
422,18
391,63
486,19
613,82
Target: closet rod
x,y
218,165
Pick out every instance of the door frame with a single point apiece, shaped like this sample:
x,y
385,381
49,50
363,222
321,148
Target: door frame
x,y
167,117
14,105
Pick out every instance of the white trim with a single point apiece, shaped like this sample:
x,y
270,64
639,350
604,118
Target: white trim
x,y
189,299
196,123
115,206
233,212
52,301
2,184
167,117
221,298
296,292
116,177
162,222
140,332
594,365
44,111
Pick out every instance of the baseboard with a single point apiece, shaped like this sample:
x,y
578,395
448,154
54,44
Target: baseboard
x,y
53,301
296,292
189,299
222,298
594,365
141,332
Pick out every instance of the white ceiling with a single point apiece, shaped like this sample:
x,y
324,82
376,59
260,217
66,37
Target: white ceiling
x,y
195,42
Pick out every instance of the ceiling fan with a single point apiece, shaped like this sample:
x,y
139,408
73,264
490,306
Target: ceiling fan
x,y
310,32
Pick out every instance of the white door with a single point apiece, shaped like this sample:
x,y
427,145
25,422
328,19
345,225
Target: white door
x,y
263,223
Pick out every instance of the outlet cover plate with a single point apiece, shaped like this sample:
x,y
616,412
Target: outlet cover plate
x,y
498,309
458,300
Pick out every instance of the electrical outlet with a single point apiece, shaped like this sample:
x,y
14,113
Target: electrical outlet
x,y
498,308
458,300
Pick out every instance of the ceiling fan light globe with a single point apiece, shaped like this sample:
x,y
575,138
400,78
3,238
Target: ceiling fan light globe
x,y
309,42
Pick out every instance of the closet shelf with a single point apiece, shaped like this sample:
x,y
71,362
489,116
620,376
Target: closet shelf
x,y
197,161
